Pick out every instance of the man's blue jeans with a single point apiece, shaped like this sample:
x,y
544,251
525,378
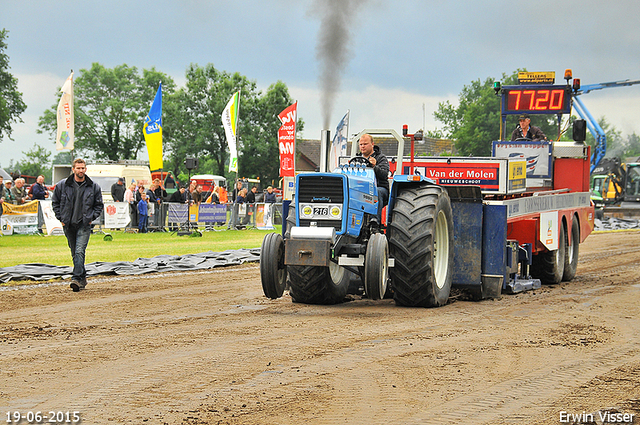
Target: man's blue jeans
x,y
78,238
383,200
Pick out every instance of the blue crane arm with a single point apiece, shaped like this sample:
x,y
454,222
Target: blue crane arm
x,y
600,148
591,87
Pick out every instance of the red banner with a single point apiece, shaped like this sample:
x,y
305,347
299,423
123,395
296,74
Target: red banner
x,y
287,140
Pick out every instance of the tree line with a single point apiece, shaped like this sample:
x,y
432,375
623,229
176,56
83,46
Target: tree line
x,y
111,104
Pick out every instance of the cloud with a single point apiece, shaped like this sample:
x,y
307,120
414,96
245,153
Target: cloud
x,y
618,106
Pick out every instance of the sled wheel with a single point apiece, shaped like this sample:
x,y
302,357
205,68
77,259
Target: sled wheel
x,y
549,266
273,272
572,251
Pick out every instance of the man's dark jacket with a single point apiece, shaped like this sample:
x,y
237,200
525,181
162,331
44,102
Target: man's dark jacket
x,y
381,170
160,194
270,198
178,197
62,200
38,191
534,133
117,192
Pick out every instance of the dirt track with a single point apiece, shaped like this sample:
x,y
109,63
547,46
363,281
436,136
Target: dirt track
x,y
209,348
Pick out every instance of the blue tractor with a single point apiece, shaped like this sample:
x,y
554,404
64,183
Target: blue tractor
x,y
332,233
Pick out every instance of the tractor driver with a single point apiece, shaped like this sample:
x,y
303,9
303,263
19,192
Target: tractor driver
x,y
525,130
380,166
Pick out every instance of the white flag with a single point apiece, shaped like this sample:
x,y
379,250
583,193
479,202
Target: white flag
x,y
339,144
65,135
230,123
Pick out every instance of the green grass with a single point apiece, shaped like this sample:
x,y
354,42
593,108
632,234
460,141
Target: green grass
x,y
24,249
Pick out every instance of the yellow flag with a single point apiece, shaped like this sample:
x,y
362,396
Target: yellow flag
x,y
153,132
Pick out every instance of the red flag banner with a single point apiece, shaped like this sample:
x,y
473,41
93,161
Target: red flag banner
x,y
287,140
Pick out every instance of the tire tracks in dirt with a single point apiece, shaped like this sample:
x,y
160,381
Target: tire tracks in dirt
x,y
532,392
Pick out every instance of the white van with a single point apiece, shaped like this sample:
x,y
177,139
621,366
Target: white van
x,y
207,181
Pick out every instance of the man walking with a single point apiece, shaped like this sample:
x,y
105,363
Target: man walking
x,y
77,201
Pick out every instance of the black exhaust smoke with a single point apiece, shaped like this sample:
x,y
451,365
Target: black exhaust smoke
x,y
336,19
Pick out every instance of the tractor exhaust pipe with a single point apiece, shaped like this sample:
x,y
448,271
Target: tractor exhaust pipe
x,y
325,144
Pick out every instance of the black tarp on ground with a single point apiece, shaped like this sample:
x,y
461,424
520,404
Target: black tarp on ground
x,y
161,263
202,261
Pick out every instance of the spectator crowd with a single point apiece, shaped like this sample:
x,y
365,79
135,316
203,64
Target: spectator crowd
x,y
15,192
146,204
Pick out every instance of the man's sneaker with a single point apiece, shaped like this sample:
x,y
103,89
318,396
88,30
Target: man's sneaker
x,y
78,285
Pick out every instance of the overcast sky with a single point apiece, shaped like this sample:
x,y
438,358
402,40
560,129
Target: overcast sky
x,y
403,57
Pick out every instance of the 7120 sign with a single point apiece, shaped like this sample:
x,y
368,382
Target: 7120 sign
x,y
543,100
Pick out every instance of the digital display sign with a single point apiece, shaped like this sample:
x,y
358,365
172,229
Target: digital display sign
x,y
536,100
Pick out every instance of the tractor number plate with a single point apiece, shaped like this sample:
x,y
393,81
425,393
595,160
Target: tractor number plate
x,y
321,211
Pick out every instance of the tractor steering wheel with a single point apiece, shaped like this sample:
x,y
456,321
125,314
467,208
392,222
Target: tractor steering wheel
x,y
522,139
360,160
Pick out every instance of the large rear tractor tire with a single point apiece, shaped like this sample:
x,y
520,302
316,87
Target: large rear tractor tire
x,y
549,266
572,252
273,272
421,242
376,267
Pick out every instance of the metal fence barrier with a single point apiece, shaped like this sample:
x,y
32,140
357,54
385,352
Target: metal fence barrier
x,y
165,217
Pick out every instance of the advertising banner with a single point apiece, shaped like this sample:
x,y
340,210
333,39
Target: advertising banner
x,y
264,216
538,155
178,213
65,130
486,175
549,229
492,175
19,219
339,144
51,223
212,213
193,213
153,132
230,124
287,140
116,215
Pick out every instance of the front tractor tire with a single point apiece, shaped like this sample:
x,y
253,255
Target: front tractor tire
x,y
420,237
273,272
314,284
376,267
318,285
